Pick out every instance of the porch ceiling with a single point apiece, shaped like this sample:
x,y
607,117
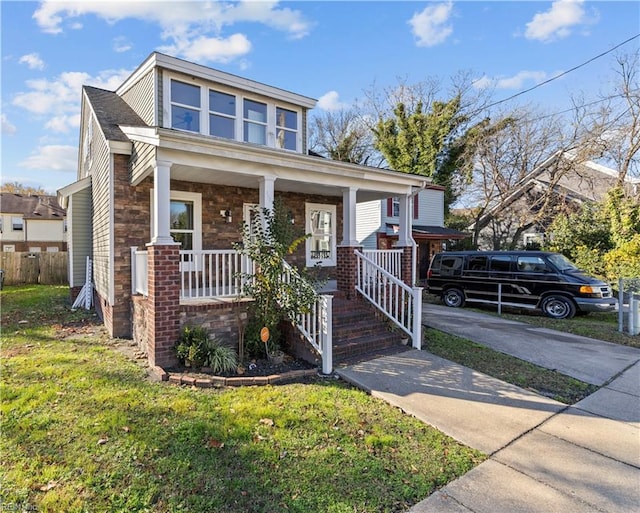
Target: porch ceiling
x,y
251,181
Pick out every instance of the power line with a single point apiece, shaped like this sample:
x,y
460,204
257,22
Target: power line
x,y
560,74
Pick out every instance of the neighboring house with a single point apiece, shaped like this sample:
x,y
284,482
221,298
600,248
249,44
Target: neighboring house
x,y
378,225
169,166
32,223
524,215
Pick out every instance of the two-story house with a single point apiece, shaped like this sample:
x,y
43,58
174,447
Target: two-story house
x,y
379,224
32,223
171,163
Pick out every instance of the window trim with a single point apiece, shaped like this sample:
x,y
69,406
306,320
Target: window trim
x,y
15,220
325,262
295,131
196,199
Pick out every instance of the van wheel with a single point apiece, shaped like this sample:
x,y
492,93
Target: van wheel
x,y
558,307
453,298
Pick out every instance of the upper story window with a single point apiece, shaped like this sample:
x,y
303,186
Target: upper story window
x,y
185,106
221,110
17,224
255,122
222,114
286,129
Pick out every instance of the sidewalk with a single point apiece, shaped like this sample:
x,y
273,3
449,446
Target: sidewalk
x,y
544,456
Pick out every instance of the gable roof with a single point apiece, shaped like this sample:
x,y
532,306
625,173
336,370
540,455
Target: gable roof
x,y
31,206
111,111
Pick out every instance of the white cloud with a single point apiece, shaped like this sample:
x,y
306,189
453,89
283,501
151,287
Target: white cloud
x,y
192,28
431,26
7,127
58,100
210,49
54,157
121,44
330,101
32,60
558,21
517,81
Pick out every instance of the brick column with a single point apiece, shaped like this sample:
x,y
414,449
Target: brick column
x,y
406,265
346,270
163,316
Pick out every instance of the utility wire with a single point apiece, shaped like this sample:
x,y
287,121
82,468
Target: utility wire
x,y
560,74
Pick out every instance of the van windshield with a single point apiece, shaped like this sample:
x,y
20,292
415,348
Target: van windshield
x,y
562,263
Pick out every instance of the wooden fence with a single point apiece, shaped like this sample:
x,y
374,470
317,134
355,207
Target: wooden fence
x,y
27,268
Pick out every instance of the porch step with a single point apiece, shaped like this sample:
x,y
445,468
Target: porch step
x,y
359,333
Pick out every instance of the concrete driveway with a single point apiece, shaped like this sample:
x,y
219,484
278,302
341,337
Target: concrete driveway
x,y
544,456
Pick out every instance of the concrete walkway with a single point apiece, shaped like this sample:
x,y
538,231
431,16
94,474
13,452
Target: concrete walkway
x,y
544,456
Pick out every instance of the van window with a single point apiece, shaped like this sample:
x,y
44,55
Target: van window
x,y
531,264
477,263
450,265
501,263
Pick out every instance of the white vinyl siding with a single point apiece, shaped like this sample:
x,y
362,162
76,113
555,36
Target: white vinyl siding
x,y
140,97
103,218
368,217
142,158
430,208
79,234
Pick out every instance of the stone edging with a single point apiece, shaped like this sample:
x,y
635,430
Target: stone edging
x,y
177,378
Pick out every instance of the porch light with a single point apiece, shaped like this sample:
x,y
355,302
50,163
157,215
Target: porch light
x,y
227,215
291,218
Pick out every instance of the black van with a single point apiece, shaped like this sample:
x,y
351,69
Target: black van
x,y
525,279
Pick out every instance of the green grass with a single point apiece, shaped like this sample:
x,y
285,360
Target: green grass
x,y
84,430
507,368
602,326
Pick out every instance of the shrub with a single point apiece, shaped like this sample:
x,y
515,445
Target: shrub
x,y
220,358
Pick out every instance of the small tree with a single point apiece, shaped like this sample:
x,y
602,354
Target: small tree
x,y
266,241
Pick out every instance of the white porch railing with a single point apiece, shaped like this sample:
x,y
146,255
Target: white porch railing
x,y
401,303
139,279
317,325
212,273
389,259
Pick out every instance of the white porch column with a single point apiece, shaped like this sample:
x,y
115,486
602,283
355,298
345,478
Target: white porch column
x,y
267,187
404,228
161,203
267,192
349,217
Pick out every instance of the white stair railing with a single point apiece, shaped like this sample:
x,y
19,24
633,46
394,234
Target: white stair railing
x,y
401,303
389,259
316,325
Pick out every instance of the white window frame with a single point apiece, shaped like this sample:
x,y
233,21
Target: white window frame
x,y
248,122
323,262
284,128
196,199
233,117
201,109
15,221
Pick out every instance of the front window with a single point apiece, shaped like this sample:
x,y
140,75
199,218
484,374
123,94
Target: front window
x,y
222,114
182,223
286,129
321,224
185,106
17,223
255,122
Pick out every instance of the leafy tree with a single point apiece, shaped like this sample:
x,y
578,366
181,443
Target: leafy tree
x,y
424,141
18,188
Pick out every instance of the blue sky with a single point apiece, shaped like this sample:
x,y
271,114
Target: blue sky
x,y
332,51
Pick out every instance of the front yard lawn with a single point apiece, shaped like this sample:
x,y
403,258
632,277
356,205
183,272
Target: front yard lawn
x,y
84,430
